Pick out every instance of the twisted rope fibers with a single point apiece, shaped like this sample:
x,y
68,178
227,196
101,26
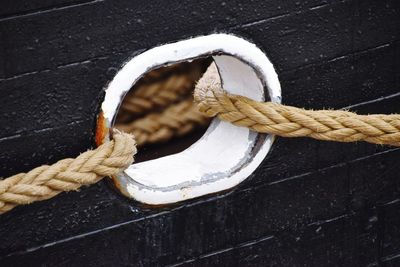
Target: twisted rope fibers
x,y
287,121
88,168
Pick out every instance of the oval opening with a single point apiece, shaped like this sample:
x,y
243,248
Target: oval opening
x,y
225,155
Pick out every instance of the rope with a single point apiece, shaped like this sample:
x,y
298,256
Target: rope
x,y
150,96
286,121
166,88
68,174
176,120
180,118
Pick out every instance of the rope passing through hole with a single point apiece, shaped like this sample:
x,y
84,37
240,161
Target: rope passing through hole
x,y
116,155
287,121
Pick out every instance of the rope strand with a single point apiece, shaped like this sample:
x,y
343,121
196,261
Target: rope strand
x,y
177,120
286,121
46,181
150,96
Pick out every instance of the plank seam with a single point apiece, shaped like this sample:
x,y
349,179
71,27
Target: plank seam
x,y
48,9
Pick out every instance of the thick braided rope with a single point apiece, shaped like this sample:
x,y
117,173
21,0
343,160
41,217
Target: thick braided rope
x,y
281,120
177,120
69,174
150,96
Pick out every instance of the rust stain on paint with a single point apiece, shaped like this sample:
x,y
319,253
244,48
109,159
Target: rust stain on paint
x,y
117,184
101,133
101,129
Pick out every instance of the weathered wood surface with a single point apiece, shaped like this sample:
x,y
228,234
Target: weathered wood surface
x,y
311,203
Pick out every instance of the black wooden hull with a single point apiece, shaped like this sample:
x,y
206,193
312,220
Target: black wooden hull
x,y
311,203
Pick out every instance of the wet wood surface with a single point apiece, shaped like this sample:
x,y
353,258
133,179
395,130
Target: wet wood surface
x,y
311,203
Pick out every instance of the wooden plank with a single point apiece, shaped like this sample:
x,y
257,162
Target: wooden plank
x,y
335,84
25,152
51,99
2,56
339,240
375,21
390,213
15,8
324,33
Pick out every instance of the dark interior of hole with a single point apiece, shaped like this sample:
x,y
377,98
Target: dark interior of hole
x,y
145,86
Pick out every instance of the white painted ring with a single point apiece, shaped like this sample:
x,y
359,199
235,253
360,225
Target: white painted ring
x,y
226,154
